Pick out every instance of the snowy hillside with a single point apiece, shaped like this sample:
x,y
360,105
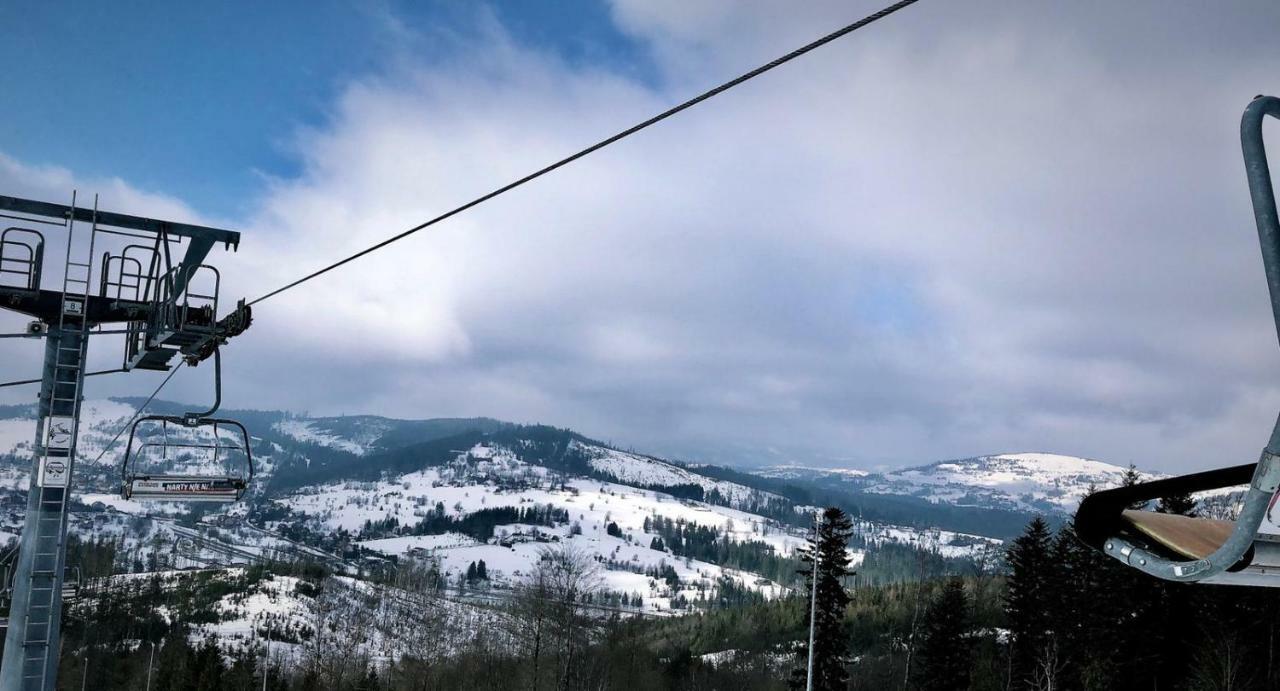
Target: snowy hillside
x,y
492,478
1028,481
364,493
646,471
1017,481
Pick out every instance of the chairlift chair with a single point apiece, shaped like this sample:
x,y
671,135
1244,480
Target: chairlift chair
x,y
71,584
1244,551
159,443
147,471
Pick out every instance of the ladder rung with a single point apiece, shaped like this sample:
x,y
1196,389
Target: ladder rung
x,y
78,264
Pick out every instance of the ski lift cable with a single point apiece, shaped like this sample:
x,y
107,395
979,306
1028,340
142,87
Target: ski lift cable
x,y
869,19
136,414
98,332
21,382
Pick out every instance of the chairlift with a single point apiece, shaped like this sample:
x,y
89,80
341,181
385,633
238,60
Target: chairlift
x,y
1243,551
169,456
71,582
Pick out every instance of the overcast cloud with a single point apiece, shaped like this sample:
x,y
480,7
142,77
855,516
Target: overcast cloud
x,y
972,228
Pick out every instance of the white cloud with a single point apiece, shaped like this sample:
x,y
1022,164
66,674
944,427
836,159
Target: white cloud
x,y
965,230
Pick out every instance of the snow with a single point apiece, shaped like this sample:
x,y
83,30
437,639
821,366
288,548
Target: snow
x,y
305,431
591,504
472,485
240,615
635,469
1033,482
403,545
787,472
1027,481
488,475
16,434
118,503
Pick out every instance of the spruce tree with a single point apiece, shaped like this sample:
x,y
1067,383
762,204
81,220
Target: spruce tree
x,y
946,651
1183,504
1028,601
1132,477
1085,607
831,646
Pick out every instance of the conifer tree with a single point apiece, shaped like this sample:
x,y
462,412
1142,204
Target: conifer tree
x,y
831,646
1028,601
1132,477
1183,504
1085,608
946,652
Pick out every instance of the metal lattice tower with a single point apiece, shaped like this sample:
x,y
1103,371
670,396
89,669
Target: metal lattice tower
x,y
141,286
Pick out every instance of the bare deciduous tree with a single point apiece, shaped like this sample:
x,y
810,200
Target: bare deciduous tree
x,y
547,612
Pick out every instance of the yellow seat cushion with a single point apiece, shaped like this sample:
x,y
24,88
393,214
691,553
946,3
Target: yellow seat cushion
x,y
1194,538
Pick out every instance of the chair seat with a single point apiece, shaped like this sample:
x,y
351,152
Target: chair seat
x,y
1194,538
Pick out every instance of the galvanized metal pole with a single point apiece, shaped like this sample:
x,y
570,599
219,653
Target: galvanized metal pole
x,y
35,612
266,659
150,663
813,599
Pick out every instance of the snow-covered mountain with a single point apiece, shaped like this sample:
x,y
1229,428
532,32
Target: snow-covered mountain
x,y
356,492
1034,482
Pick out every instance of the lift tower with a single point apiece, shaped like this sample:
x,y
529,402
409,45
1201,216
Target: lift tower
x,y
167,307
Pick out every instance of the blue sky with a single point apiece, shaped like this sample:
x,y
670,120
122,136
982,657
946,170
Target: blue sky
x,y
198,101
971,228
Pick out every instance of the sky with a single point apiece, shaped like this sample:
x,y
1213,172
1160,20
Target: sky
x,y
971,228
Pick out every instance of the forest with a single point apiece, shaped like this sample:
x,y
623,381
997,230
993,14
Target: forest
x,y
1053,615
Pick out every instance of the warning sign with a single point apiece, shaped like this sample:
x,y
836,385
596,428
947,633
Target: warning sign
x,y
59,432
54,472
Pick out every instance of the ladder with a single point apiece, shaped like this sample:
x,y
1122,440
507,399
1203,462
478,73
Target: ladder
x,y
44,605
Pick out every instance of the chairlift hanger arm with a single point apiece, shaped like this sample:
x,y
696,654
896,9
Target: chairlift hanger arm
x,y
1101,520
1263,195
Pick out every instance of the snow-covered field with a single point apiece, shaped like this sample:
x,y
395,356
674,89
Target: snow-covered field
x,y
634,469
591,507
314,432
